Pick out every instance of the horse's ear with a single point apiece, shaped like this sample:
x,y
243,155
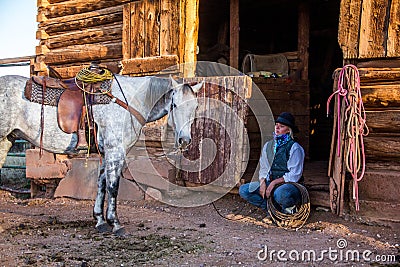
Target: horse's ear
x,y
173,82
197,87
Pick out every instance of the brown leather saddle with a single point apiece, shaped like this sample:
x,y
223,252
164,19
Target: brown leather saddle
x,y
66,95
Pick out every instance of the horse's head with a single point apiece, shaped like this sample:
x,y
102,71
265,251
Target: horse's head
x,y
182,111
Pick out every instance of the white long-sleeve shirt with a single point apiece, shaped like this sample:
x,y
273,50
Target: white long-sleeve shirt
x,y
294,164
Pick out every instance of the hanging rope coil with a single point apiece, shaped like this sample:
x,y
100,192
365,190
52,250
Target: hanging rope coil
x,y
291,221
355,123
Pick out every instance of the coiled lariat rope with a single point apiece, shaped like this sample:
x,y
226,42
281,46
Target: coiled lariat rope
x,y
85,75
355,120
291,221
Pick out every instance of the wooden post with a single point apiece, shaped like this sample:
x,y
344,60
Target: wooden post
x,y
189,28
304,38
234,34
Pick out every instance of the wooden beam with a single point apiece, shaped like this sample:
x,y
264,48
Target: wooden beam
x,y
79,7
15,60
88,52
98,34
349,26
189,35
82,21
304,38
383,121
393,40
234,34
148,64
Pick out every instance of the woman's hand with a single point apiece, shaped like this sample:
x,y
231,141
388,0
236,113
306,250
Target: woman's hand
x,y
263,187
272,185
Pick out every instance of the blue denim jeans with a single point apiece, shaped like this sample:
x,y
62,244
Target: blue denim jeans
x,y
285,195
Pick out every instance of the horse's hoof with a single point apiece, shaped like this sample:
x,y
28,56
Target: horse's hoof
x,y
119,232
103,228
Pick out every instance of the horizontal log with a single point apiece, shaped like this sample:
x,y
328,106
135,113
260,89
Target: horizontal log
x,y
99,34
15,60
382,146
380,63
56,1
81,21
79,53
69,71
79,7
385,121
319,198
379,74
381,96
376,165
148,64
380,185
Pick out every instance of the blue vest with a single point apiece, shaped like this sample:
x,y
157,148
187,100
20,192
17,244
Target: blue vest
x,y
279,164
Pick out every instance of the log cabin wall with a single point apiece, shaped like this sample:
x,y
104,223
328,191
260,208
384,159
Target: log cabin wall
x,y
127,36
369,39
72,34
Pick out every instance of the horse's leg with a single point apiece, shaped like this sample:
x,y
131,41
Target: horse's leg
x,y
113,167
98,210
5,146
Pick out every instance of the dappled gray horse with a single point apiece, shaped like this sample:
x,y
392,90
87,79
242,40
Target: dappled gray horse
x,y
118,130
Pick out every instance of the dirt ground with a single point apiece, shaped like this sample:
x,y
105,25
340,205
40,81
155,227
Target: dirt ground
x,y
60,232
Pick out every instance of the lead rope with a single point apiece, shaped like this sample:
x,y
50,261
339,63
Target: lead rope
x,y
356,127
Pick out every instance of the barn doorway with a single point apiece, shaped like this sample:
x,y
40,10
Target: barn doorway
x,y
271,27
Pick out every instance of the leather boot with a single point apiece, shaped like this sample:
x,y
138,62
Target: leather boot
x,y
82,143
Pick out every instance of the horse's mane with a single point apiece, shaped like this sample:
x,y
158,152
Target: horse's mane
x,y
157,95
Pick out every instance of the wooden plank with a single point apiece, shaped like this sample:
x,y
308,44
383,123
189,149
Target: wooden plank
x,y
373,29
378,75
349,26
70,70
381,96
169,27
383,121
188,33
234,34
384,147
15,60
79,53
126,31
137,30
304,38
379,63
380,185
82,21
393,39
152,28
319,198
148,64
56,1
98,34
78,7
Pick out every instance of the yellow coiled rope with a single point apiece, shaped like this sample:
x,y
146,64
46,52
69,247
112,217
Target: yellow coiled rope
x,y
291,221
88,76
85,75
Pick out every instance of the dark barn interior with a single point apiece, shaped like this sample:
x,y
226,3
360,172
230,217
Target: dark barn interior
x,y
271,27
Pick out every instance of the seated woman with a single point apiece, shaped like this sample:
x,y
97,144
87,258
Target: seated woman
x,y
281,162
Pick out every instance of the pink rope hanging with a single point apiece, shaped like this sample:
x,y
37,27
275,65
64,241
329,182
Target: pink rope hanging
x,y
355,122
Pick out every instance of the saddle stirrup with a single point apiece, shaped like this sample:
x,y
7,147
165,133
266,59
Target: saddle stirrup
x,y
82,143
